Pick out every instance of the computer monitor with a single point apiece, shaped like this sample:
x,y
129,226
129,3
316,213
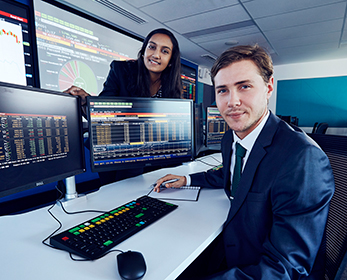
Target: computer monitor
x,y
41,138
127,132
198,129
188,77
17,44
75,48
215,128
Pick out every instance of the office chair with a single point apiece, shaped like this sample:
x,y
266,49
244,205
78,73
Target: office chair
x,y
314,127
336,230
322,128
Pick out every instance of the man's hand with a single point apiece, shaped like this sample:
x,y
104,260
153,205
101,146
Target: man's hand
x,y
180,182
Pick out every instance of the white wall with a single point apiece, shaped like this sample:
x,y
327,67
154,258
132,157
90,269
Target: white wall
x,y
317,69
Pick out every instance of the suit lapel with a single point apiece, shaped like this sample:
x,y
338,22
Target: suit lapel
x,y
257,154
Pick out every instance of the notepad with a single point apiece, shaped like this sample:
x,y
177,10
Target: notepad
x,y
190,193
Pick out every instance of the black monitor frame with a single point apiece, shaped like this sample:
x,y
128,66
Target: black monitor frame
x,y
136,157
198,129
18,174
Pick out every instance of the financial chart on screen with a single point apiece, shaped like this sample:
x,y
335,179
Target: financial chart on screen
x,y
15,44
138,132
73,50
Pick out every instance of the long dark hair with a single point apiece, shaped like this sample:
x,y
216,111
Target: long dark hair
x,y
170,77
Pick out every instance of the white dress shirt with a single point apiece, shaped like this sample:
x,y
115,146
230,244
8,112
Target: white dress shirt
x,y
246,142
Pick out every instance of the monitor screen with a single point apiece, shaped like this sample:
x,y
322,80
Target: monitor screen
x,y
188,76
215,127
17,44
129,132
76,49
41,138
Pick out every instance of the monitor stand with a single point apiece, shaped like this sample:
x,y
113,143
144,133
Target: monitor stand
x,y
71,195
71,192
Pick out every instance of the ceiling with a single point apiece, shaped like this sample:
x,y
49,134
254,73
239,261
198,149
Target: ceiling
x,y
292,31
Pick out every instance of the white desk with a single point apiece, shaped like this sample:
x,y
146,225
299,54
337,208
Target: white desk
x,y
169,245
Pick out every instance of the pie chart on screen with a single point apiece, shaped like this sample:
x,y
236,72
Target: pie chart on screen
x,y
79,74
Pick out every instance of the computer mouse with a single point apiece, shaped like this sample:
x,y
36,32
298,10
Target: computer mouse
x,y
131,265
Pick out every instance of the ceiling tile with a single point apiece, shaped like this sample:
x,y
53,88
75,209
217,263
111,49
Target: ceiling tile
x,y
209,19
264,8
226,35
318,14
218,46
304,30
141,3
307,41
175,9
309,49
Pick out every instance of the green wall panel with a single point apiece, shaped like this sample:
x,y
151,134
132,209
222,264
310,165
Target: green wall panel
x,y
314,100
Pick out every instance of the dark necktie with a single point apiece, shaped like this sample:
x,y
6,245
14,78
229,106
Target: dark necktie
x,y
239,154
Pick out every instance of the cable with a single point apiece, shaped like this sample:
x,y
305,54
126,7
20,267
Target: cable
x,y
55,218
44,242
103,255
79,212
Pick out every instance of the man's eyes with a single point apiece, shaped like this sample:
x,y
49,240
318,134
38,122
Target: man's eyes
x,y
220,91
245,86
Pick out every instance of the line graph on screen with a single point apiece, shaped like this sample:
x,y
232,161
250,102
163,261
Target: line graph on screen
x,y
12,64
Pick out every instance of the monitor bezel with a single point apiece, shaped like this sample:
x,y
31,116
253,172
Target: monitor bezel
x,y
161,162
61,176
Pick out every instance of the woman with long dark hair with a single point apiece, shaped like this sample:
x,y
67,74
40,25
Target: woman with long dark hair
x,y
155,73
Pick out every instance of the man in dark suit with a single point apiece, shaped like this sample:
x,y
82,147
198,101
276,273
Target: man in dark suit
x,y
279,207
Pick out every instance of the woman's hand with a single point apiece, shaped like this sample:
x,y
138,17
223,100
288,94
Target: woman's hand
x,y
77,91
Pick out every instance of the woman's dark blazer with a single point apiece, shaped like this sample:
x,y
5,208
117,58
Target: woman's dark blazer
x,y
121,80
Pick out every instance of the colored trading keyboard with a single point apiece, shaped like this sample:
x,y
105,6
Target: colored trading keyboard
x,y
93,238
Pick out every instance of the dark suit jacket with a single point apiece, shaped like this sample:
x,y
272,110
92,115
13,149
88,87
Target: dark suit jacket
x,y
276,222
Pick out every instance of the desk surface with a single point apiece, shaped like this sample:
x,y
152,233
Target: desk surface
x,y
169,245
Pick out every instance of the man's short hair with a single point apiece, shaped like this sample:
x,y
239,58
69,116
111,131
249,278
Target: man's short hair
x,y
253,53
